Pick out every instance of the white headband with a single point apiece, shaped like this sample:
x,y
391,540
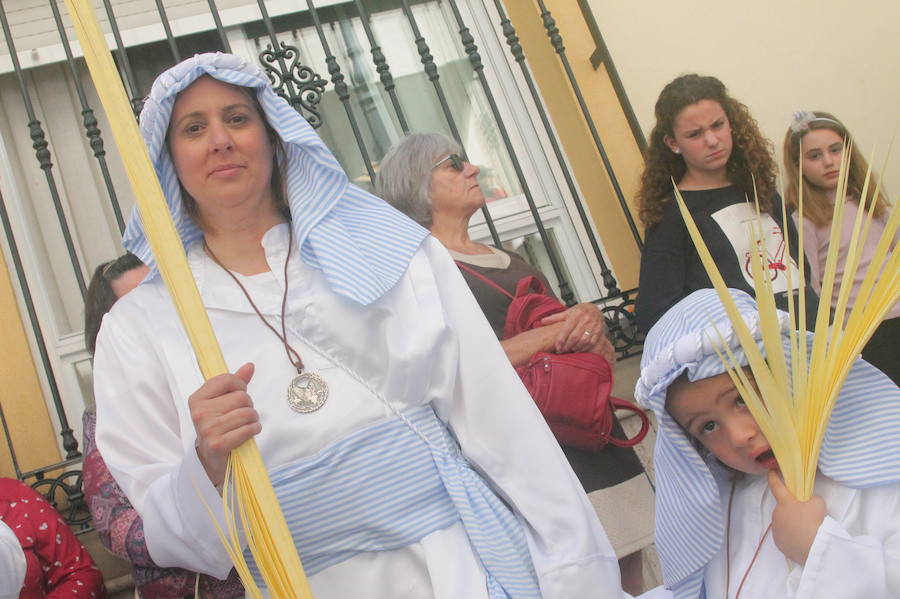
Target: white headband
x,y
802,118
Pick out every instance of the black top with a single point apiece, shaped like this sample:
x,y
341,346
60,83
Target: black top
x,y
596,470
671,268
493,303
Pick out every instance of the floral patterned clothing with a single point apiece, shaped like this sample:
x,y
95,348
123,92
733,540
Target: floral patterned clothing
x,y
121,530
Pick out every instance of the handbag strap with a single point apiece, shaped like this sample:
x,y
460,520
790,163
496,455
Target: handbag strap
x,y
621,404
617,403
531,284
484,279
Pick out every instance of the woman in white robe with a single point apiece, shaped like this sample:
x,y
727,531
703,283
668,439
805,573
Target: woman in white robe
x,y
427,472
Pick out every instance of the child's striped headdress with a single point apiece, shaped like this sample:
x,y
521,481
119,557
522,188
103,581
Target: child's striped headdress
x,y
860,448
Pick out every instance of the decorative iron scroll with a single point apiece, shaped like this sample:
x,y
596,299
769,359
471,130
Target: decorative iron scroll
x,y
300,85
66,494
621,325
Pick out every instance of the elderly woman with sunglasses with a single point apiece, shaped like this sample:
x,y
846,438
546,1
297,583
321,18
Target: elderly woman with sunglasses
x,y
425,177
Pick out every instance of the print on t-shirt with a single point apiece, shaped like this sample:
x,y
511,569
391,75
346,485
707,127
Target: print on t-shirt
x,y
735,221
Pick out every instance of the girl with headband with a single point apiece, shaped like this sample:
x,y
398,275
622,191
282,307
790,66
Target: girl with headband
x,y
817,140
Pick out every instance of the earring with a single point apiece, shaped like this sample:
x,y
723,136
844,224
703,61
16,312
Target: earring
x,y
677,150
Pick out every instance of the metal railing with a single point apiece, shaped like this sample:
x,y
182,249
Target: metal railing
x,y
304,89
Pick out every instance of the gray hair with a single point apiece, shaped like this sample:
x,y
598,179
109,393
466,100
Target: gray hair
x,y
404,175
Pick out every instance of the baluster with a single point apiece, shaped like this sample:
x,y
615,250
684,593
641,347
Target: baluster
x,y
367,97
9,443
601,56
68,437
512,40
279,53
39,143
137,100
557,42
381,66
341,89
431,71
214,10
90,121
173,45
471,50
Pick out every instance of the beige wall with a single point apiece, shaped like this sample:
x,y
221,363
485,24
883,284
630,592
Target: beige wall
x,y
776,56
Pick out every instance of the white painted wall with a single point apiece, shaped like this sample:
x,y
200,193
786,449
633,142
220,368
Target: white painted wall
x,y
776,56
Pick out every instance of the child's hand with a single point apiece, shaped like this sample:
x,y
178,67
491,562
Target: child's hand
x,y
794,523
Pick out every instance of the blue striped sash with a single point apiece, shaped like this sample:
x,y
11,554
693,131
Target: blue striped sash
x,y
383,487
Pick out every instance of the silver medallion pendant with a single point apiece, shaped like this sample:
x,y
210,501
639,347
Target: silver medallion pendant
x,y
307,392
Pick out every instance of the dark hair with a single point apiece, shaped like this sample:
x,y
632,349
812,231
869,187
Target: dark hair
x,y
751,153
100,295
279,158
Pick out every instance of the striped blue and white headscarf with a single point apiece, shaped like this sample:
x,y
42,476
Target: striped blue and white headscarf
x,y
360,243
860,448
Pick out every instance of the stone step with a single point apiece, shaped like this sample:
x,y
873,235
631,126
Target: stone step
x,y
116,571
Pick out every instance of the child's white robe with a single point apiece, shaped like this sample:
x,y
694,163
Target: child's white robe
x,y
855,555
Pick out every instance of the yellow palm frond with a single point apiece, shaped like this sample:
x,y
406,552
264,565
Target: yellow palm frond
x,y
249,493
793,405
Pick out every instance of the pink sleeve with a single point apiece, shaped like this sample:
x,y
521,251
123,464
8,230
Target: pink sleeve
x,y
812,245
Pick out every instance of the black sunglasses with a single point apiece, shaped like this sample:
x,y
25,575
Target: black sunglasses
x,y
456,162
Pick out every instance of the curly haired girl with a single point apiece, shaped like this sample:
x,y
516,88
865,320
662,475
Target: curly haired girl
x,y
817,140
711,147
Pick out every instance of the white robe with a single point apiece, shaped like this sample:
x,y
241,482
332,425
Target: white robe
x,y
424,342
12,563
855,555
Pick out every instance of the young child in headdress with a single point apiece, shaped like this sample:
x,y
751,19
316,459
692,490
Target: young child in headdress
x,y
726,525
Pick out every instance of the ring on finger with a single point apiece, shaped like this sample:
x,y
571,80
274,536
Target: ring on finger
x,y
587,333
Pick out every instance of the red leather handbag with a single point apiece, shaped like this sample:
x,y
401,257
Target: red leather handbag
x,y
573,390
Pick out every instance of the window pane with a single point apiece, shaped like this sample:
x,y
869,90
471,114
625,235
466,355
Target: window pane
x,y
374,112
532,249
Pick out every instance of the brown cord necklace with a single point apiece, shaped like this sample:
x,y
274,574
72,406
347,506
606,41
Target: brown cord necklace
x,y
728,550
307,391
